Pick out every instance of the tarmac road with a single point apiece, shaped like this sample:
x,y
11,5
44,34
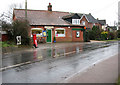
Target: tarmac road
x,y
57,63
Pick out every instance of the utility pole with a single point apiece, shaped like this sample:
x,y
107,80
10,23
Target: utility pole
x,y
26,9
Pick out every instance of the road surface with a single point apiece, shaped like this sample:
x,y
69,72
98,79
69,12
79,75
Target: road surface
x,y
54,63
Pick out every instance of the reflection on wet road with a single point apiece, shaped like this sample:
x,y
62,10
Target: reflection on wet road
x,y
55,64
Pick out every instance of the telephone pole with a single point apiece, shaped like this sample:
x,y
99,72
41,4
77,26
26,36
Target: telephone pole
x,y
26,9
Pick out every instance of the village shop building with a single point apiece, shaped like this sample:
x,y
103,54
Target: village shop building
x,y
47,24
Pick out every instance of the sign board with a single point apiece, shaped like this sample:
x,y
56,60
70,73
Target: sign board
x,y
49,27
18,40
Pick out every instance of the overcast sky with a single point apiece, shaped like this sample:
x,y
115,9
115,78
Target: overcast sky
x,y
102,9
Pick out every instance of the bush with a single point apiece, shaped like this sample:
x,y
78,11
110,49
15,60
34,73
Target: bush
x,y
104,35
86,39
91,35
112,35
118,33
95,33
21,28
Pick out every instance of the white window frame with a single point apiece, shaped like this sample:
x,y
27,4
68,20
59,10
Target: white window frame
x,y
83,23
59,34
77,36
76,21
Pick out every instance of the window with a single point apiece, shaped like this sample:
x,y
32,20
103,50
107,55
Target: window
x,y
83,22
76,21
37,31
60,32
78,34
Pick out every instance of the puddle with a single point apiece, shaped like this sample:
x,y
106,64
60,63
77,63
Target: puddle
x,y
51,53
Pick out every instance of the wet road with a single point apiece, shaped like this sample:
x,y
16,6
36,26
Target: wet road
x,y
54,64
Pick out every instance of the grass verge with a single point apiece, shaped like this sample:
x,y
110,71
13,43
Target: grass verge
x,y
118,82
7,44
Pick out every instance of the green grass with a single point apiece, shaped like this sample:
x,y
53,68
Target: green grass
x,y
118,82
7,44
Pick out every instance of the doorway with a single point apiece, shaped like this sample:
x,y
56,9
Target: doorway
x,y
49,35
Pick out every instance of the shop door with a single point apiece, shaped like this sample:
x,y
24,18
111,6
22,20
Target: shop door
x,y
49,35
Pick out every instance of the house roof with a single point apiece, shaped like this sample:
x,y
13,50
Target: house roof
x,y
102,22
113,27
89,17
42,17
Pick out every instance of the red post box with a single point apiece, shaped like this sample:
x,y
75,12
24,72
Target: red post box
x,y
34,40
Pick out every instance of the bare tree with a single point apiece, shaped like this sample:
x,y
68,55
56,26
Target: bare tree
x,y
7,16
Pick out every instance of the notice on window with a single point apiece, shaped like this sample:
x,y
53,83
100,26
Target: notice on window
x,y
78,34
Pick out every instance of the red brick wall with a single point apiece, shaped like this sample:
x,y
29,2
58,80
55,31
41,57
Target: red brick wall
x,y
68,35
74,38
4,37
90,25
87,24
100,26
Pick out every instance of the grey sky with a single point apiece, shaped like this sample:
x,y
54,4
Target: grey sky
x,y
102,9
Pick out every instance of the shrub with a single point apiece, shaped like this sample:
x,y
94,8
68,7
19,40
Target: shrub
x,y
112,35
95,33
118,33
91,35
104,35
21,28
86,39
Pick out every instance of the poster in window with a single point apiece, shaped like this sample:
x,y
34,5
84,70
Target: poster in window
x,y
78,34
44,33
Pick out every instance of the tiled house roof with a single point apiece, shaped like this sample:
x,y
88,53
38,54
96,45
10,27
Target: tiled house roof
x,y
90,18
42,17
102,22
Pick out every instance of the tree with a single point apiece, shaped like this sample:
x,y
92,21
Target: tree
x,y
95,33
21,28
7,16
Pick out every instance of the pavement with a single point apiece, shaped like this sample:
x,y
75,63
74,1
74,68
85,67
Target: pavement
x,y
7,50
102,72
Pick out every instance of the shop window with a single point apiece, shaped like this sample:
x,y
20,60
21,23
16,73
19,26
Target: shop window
x,y
60,32
78,34
37,31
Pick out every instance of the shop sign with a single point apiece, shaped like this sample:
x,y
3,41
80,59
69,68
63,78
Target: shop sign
x,y
49,27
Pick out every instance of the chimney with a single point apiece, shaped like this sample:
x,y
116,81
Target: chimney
x,y
49,7
89,13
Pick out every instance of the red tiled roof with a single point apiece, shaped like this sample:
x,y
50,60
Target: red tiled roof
x,y
42,17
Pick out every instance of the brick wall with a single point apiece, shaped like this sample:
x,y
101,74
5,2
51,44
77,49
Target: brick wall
x,y
87,24
68,35
90,25
77,39
4,37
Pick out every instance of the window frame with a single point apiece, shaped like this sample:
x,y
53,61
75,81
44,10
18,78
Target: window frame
x,y
36,29
60,29
76,34
83,23
76,21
